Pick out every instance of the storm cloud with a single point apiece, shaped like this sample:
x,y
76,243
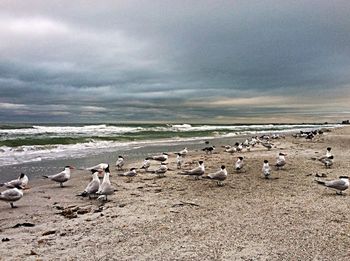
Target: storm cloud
x,y
174,61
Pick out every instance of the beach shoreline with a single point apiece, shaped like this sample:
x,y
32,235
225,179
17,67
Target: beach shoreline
x,y
135,151
177,218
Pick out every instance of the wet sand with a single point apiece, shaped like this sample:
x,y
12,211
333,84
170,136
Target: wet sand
x,y
289,217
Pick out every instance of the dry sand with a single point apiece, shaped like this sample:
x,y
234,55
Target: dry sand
x,y
178,218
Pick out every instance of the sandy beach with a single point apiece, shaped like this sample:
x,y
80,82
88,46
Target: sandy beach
x,y
289,217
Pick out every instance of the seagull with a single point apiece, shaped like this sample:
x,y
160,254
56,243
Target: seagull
x,y
219,176
281,161
267,145
160,158
239,164
146,164
12,195
209,150
253,141
183,152
119,163
101,166
239,146
62,176
106,188
340,184
231,150
328,154
131,173
197,172
93,186
22,181
246,143
328,162
266,169
161,170
179,160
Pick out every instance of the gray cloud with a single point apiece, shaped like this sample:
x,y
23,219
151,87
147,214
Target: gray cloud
x,y
172,60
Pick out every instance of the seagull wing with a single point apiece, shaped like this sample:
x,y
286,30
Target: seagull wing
x,y
337,184
219,175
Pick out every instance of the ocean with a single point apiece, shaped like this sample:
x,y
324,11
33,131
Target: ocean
x,y
45,149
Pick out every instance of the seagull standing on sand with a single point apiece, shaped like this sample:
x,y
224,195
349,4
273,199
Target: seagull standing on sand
x,y
328,154
209,150
12,195
266,169
239,164
101,166
230,149
179,160
22,181
146,164
183,152
267,145
119,163
328,162
62,176
161,170
196,172
281,160
106,188
131,173
340,184
219,176
93,186
238,146
160,158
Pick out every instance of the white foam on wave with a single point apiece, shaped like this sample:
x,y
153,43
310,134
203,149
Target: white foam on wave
x,y
23,154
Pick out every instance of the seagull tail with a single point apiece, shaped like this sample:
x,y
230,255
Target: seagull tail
x,y
2,184
45,176
206,177
322,182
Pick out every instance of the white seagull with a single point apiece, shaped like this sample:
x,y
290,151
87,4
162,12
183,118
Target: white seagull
x,y
100,166
196,172
160,158
146,164
266,169
340,184
183,152
106,188
12,195
219,176
119,163
61,177
93,186
131,173
22,181
328,162
328,154
161,170
281,160
179,161
267,145
239,164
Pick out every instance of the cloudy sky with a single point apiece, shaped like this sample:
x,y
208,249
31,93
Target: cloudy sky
x,y
174,61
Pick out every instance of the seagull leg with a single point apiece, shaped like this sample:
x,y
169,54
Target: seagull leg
x,y
12,206
61,185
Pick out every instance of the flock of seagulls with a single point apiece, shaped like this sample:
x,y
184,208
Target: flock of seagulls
x,y
96,189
